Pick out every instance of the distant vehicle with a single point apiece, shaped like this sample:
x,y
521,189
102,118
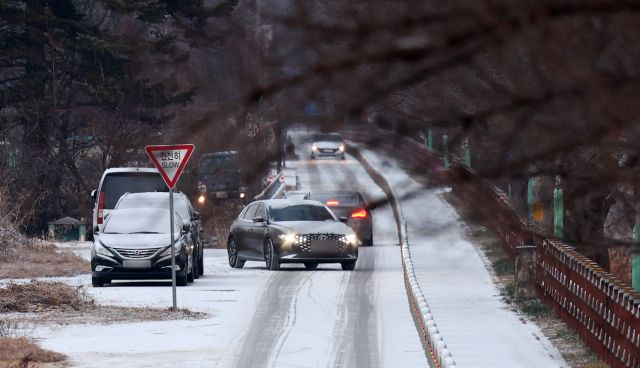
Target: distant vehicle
x,y
352,206
220,177
296,194
117,181
182,206
291,231
136,244
327,144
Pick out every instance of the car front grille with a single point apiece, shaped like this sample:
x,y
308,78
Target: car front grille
x,y
305,241
136,253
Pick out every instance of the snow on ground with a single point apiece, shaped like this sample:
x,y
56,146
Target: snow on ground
x,y
259,318
226,294
476,324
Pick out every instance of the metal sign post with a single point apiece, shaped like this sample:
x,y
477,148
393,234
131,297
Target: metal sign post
x,y
170,161
173,252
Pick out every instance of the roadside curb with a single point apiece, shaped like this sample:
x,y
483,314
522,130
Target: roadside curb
x,y
427,328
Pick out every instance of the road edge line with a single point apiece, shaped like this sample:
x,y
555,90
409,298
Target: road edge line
x,y
425,324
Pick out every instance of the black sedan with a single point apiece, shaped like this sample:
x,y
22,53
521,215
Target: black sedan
x,y
352,206
291,231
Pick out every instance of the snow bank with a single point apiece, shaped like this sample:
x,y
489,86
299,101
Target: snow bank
x,y
438,348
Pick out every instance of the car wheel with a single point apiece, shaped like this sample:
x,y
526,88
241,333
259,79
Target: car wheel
x,y
98,281
182,278
270,257
201,263
343,157
232,251
190,274
348,266
311,265
196,268
313,157
369,240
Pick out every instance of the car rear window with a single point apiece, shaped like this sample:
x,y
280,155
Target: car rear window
x,y
250,212
301,212
140,222
179,205
221,163
327,138
117,184
336,199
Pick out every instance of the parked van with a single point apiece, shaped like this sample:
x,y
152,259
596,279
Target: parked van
x,y
117,181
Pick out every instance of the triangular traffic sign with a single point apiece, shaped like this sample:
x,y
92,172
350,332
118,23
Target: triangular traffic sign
x,y
170,160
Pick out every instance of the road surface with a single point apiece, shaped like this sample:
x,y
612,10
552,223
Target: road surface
x,y
258,318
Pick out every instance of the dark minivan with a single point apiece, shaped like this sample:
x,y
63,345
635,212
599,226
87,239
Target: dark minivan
x,y
219,176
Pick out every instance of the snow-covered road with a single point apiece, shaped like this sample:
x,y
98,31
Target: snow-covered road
x,y
258,318
478,327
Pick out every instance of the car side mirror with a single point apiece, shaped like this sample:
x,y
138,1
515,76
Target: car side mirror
x,y
196,215
186,226
94,194
258,219
344,219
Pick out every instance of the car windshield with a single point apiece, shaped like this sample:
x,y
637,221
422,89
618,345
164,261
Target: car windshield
x,y
335,199
178,204
210,164
327,138
117,184
150,221
300,212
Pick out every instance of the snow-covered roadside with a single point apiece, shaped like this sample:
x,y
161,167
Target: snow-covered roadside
x,y
81,249
225,294
478,327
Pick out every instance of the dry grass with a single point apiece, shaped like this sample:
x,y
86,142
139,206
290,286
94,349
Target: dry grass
x,y
573,350
58,303
103,315
38,296
22,352
218,217
24,257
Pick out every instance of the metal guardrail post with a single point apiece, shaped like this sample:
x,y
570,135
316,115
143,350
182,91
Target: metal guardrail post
x,y
445,150
558,212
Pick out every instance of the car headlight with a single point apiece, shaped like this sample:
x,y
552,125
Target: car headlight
x,y
341,148
289,238
100,249
350,239
177,246
202,199
314,147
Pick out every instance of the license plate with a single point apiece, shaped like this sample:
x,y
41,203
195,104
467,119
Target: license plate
x,y
221,194
328,151
137,263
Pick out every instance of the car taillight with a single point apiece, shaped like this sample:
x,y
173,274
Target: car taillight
x,y
361,213
100,207
333,203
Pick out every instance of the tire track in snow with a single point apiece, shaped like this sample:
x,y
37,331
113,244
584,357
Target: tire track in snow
x,y
357,345
272,319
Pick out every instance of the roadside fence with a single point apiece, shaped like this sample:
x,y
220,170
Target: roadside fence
x,y
604,311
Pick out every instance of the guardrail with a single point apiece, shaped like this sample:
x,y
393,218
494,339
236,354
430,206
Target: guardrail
x,y
604,311
429,334
493,203
274,189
